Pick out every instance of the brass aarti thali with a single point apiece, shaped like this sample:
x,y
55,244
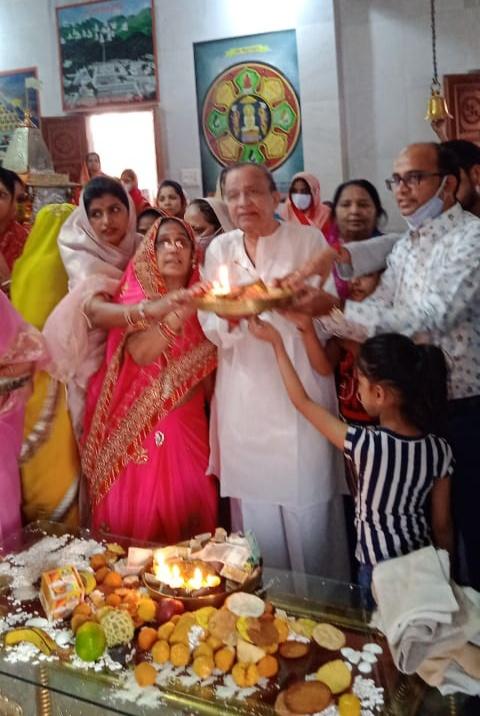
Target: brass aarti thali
x,y
214,598
248,300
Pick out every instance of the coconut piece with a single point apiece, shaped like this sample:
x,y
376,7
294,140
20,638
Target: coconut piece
x,y
249,653
245,605
329,637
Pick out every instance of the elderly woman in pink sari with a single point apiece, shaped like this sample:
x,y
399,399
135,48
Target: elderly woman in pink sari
x,y
21,346
145,445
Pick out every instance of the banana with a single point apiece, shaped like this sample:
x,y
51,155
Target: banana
x,y
36,636
89,581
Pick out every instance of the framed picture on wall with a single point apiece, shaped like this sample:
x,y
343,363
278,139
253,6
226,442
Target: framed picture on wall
x,y
248,104
18,91
107,54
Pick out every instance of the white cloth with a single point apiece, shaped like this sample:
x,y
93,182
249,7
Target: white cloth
x,y
308,540
84,254
267,451
424,616
431,288
413,588
221,212
93,266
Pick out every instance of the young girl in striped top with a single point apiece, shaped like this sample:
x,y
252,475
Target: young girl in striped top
x,y
399,464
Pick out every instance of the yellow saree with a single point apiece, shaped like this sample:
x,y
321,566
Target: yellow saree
x,y
50,462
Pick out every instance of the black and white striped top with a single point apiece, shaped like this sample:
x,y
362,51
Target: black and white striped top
x,y
394,477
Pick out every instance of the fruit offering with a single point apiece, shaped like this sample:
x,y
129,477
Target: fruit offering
x,y
90,641
234,648
118,626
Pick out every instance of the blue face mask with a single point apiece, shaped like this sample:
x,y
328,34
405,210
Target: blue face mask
x,y
428,211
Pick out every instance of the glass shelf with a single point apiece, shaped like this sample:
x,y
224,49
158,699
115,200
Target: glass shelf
x,y
56,689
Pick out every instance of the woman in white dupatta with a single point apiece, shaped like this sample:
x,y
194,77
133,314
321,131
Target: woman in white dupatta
x,y
96,243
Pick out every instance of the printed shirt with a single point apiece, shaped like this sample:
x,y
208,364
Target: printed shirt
x,y
431,291
394,476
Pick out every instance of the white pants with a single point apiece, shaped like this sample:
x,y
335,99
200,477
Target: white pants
x,y
311,539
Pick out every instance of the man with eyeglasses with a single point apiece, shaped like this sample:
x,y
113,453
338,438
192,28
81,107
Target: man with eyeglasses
x,y
431,291
358,258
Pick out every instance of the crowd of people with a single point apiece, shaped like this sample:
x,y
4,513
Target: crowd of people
x,y
341,430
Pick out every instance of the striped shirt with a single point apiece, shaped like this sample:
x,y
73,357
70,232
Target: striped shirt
x,y
394,476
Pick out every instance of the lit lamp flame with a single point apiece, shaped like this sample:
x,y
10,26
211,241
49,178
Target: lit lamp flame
x,y
172,577
222,286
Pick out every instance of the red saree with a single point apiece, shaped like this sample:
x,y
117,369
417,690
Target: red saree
x,y
145,450
12,242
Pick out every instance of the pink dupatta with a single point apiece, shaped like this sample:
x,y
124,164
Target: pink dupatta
x,y
317,214
20,346
125,401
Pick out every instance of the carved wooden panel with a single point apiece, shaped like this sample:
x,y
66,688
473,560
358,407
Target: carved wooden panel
x,y
66,138
462,93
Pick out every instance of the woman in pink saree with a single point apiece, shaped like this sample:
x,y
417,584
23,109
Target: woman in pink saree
x,y
21,346
145,446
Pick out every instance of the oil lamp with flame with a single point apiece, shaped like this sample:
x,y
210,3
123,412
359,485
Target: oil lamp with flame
x,y
222,286
185,577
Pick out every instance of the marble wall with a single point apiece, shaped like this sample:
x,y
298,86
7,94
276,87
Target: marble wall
x,y
365,71
385,56
28,37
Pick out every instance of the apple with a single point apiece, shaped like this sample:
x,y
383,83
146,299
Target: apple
x,y
167,608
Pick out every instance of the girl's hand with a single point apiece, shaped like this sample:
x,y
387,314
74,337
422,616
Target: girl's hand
x,y
300,320
263,331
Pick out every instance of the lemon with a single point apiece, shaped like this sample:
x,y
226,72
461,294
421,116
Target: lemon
x,y
90,641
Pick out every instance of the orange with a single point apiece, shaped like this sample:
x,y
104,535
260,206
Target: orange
x,y
147,609
145,674
146,638
82,608
113,579
268,667
349,705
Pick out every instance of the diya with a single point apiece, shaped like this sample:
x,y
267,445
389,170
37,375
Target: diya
x,y
195,582
246,300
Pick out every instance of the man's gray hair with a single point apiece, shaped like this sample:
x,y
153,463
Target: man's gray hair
x,y
261,168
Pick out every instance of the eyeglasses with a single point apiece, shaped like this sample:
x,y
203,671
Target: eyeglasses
x,y
410,179
177,245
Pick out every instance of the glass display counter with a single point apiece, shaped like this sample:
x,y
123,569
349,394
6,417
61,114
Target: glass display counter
x,y
54,688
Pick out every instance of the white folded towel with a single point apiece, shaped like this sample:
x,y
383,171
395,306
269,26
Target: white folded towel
x,y
414,589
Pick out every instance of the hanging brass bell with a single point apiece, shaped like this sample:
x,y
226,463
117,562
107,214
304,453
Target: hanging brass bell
x,y
437,107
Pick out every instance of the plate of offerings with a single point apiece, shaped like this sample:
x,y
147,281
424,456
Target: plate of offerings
x,y
205,570
241,301
80,609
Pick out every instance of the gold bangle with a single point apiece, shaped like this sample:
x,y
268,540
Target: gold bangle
x,y
140,323
167,332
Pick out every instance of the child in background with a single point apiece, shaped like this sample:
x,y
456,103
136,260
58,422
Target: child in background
x,y
350,407
338,355
400,463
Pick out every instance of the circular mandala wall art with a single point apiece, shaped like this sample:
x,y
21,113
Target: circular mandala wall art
x,y
251,114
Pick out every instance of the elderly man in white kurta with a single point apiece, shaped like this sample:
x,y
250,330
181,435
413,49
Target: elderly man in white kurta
x,y
286,480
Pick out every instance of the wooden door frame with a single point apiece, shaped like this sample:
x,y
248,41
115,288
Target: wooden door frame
x,y
450,83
